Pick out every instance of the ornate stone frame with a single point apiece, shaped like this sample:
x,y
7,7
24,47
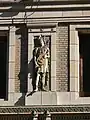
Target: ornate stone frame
x,y
37,32
10,33
74,65
4,32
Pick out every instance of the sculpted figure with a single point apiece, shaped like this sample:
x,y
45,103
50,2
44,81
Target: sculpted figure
x,y
41,57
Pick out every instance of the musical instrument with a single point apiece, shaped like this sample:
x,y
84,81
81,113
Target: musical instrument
x,y
40,59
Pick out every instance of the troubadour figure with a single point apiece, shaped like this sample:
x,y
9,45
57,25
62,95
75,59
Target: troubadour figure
x,y
41,58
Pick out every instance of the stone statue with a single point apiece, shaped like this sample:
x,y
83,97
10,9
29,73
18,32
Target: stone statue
x,y
41,58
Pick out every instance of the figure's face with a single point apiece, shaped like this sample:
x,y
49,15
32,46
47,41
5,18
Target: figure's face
x,y
41,41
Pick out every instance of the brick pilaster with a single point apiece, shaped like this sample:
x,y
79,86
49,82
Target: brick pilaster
x,y
62,58
17,62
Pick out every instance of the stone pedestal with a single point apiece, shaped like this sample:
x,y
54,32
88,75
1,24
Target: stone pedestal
x,y
41,98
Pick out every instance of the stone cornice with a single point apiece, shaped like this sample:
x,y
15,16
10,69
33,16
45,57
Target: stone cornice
x,y
47,2
45,22
38,8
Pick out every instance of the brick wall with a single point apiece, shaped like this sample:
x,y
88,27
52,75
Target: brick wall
x,y
21,59
62,58
17,63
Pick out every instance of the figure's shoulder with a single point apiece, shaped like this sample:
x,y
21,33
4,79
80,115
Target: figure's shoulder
x,y
36,49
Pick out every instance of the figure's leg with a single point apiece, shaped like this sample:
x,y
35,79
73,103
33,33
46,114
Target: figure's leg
x,y
43,81
37,81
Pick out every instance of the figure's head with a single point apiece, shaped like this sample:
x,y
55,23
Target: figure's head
x,y
41,40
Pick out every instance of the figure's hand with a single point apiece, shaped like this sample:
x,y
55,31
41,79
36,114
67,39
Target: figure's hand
x,y
36,65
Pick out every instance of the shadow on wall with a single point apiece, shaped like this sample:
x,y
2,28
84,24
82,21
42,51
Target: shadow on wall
x,y
23,75
31,71
10,13
21,100
25,68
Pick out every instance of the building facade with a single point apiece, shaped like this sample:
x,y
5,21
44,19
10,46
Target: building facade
x,y
66,25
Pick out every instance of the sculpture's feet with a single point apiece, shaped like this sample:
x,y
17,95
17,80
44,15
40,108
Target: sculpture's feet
x,y
36,89
44,89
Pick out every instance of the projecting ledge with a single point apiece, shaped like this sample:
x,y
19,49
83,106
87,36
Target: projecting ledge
x,y
41,98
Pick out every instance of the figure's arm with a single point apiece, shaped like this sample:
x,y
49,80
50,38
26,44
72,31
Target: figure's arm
x,y
35,59
48,53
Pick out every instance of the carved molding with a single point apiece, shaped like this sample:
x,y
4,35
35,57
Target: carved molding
x,y
42,109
